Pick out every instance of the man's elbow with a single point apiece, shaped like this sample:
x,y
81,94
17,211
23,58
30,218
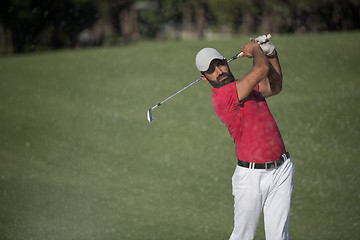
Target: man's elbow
x,y
263,71
277,87
277,90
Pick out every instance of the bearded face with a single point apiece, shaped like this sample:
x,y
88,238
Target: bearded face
x,y
218,73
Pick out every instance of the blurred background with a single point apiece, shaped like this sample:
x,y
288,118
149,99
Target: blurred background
x,y
33,25
79,160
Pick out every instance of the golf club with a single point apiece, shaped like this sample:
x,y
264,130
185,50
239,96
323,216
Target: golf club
x,y
150,116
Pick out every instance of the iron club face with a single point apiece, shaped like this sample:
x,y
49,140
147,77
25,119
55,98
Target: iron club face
x,y
150,117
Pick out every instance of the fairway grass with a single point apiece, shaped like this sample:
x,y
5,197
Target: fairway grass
x,y
78,159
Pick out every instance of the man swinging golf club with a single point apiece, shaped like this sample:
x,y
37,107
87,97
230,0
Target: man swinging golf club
x,y
262,180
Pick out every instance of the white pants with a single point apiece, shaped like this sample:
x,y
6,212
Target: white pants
x,y
255,190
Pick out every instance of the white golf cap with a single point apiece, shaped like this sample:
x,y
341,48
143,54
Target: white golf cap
x,y
204,58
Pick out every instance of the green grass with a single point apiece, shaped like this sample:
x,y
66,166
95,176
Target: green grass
x,y
78,159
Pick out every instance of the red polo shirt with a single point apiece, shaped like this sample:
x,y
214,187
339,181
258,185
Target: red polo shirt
x,y
250,124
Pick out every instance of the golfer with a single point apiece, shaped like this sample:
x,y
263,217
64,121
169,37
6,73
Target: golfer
x,y
262,180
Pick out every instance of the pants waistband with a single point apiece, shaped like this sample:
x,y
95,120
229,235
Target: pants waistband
x,y
267,165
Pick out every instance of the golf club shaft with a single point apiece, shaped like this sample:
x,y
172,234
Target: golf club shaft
x,y
176,93
231,59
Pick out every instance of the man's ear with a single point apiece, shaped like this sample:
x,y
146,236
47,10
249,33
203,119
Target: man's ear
x,y
203,77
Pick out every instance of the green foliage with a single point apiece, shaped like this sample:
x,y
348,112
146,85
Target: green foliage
x,y
60,21
45,24
78,159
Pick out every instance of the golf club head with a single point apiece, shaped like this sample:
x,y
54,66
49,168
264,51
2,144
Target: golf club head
x,y
150,116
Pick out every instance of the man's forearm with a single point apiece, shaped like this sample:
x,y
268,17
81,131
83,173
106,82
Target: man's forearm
x,y
259,71
275,74
260,63
274,61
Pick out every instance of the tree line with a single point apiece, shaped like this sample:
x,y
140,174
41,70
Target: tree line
x,y
29,25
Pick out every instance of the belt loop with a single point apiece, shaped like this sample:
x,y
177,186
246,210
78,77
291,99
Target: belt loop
x,y
252,166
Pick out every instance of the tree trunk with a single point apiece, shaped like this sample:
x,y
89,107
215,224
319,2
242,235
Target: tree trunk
x,y
129,27
248,23
18,38
201,20
186,18
3,37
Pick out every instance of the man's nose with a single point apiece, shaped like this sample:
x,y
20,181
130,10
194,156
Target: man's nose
x,y
218,70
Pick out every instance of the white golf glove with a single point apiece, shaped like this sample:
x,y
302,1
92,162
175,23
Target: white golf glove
x,y
265,44
261,39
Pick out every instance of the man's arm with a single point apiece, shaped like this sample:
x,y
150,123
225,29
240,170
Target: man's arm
x,y
272,84
258,72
